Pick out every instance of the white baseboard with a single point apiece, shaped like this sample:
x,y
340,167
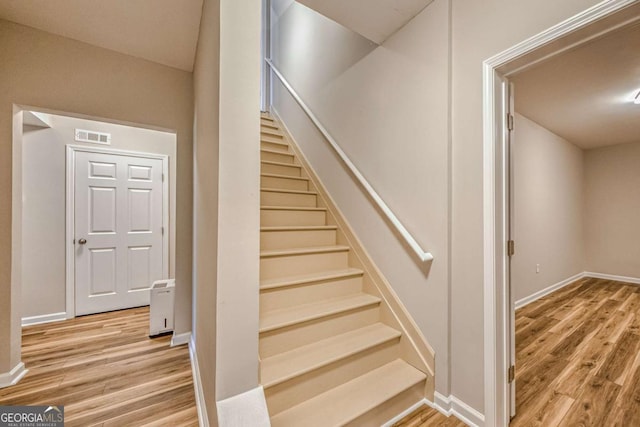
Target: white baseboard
x,y
180,339
45,318
407,411
451,405
546,291
13,376
203,419
633,280
244,409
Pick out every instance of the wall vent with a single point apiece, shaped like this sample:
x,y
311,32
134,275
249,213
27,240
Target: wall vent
x,y
93,137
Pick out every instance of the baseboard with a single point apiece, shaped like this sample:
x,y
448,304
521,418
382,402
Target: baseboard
x,y
203,419
13,376
408,411
633,280
546,291
45,318
180,339
451,405
245,409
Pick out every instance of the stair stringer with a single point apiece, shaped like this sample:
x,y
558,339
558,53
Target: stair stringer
x,y
415,349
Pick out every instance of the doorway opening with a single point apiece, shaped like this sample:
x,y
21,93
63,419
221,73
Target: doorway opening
x,y
501,242
95,213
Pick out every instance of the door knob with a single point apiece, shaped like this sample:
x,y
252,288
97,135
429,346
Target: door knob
x,y
82,241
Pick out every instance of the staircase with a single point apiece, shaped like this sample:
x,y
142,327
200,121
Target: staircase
x,y
332,351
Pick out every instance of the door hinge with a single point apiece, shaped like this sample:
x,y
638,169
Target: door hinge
x,y
512,373
511,248
162,177
509,121
162,230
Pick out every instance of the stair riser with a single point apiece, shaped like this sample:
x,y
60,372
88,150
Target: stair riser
x,y
296,239
285,339
306,386
276,218
267,145
269,198
284,183
267,124
281,169
391,408
276,157
269,133
274,299
292,265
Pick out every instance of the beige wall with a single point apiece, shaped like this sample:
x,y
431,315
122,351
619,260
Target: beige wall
x,y
387,108
548,209
205,197
393,101
44,190
43,70
612,207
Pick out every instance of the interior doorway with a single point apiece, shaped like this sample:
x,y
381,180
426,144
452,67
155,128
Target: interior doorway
x,y
500,369
122,218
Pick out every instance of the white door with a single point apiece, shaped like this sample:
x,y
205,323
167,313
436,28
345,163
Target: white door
x,y
118,230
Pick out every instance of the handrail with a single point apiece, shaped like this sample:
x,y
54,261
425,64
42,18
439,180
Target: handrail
x,y
411,241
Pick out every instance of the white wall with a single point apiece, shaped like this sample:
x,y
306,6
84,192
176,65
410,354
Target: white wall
x,y
47,71
612,207
44,203
387,108
548,208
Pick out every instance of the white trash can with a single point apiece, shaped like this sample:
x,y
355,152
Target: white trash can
x,y
161,310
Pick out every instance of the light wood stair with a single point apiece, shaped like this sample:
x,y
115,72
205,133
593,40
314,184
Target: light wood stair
x,y
332,352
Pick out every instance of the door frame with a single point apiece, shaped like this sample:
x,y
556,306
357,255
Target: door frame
x,y
70,213
587,25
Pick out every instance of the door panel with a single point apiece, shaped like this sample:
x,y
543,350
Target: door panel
x,y
118,230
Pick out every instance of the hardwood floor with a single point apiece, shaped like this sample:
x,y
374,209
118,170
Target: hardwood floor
x,y
577,357
426,416
106,371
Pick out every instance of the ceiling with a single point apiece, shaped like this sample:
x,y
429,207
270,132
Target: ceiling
x,y
162,31
586,95
374,19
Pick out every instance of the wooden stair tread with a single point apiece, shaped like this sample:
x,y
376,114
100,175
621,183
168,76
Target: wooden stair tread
x,y
348,401
303,251
286,190
267,150
281,282
276,175
271,162
299,228
274,132
285,366
277,319
272,140
291,208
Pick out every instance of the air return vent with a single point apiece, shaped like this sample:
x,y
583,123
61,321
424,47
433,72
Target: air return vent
x,y
93,137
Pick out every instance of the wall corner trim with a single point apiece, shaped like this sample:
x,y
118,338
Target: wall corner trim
x,y
546,291
180,339
203,419
244,409
451,405
44,318
13,376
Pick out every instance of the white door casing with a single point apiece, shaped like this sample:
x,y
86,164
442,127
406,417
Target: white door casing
x,y
118,219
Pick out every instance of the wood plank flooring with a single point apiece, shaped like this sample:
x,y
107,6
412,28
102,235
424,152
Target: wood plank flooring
x,y
106,371
578,358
